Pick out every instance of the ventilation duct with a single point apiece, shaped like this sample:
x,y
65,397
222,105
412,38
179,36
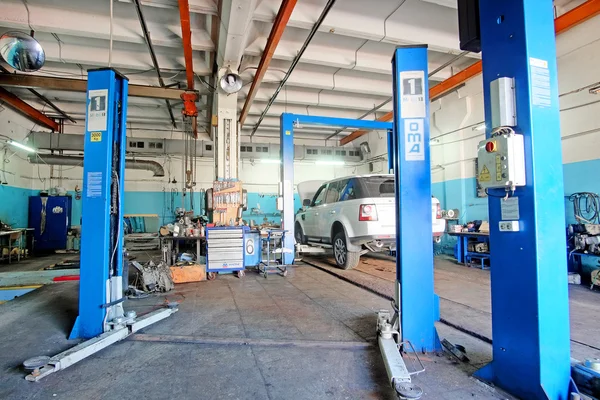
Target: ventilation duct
x,y
130,163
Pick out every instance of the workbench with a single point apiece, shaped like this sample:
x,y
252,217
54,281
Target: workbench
x,y
172,257
17,237
463,255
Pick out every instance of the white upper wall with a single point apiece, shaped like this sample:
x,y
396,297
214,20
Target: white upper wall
x,y
454,144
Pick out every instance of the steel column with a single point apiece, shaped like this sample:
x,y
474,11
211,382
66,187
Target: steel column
x,y
100,288
530,305
411,153
287,184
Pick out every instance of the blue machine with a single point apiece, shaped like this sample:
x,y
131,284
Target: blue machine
x,y
410,154
530,315
100,287
252,247
50,217
287,164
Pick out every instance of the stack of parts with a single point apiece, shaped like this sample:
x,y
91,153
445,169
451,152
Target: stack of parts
x,y
142,241
153,277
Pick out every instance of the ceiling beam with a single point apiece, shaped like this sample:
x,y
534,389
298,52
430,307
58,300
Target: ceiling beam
x,y
576,16
283,16
568,20
80,85
186,36
25,109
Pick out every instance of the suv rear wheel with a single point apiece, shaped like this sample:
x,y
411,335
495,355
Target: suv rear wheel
x,y
343,258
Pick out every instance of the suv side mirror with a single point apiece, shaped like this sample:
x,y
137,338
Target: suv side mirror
x,y
306,203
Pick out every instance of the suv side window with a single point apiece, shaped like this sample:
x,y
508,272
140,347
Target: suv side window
x,y
348,191
334,191
319,196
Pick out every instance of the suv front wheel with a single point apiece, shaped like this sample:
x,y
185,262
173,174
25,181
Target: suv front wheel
x,y
343,258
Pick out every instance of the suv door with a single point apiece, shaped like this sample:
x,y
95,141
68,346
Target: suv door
x,y
332,207
311,215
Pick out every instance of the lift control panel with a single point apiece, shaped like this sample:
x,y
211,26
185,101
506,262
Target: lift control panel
x,y
501,161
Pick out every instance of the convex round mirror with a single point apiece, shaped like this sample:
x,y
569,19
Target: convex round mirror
x,y
21,51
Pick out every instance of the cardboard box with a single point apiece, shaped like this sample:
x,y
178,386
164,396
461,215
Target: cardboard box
x,y
188,273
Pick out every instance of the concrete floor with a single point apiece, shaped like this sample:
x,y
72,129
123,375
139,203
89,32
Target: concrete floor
x,y
465,298
307,336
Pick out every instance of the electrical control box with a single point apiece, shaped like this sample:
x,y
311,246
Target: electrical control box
x,y
501,161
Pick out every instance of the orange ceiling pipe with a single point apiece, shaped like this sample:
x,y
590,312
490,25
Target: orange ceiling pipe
x,y
283,16
25,109
568,20
186,36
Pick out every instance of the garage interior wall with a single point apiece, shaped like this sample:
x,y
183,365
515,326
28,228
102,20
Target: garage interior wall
x,y
453,150
144,193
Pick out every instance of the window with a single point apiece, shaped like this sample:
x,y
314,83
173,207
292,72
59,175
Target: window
x,y
132,144
265,149
378,186
208,147
319,196
248,149
312,151
159,145
333,191
326,152
242,149
152,145
140,145
348,192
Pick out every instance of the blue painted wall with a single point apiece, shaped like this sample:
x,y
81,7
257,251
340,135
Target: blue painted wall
x,y
461,193
14,205
160,203
580,177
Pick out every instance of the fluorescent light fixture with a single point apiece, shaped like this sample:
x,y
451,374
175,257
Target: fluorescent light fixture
x,y
330,163
269,161
21,146
480,128
595,89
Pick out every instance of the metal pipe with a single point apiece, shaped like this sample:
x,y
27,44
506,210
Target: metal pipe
x,y
77,161
110,44
138,8
295,62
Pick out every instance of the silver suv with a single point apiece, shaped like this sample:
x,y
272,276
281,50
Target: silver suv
x,y
354,215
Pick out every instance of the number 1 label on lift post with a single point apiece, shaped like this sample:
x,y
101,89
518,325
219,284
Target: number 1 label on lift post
x,y
413,96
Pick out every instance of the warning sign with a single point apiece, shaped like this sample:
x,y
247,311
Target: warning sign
x,y
484,175
95,136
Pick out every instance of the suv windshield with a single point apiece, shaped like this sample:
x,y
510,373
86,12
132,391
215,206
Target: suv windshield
x,y
378,186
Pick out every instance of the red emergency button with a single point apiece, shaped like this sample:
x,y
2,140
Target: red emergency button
x,y
490,147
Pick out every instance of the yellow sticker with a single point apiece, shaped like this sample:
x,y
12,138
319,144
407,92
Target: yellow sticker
x,y
288,133
96,137
484,175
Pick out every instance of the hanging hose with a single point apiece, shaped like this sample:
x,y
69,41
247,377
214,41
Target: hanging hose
x,y
586,207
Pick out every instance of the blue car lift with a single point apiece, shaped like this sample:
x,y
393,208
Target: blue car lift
x,y
417,304
286,189
101,318
530,307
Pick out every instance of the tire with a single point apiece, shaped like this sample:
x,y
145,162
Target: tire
x,y
343,258
299,234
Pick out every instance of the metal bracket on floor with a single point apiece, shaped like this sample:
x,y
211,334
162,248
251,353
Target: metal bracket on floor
x,y
44,366
390,344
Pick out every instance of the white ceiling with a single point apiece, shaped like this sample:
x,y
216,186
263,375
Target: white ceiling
x,y
345,71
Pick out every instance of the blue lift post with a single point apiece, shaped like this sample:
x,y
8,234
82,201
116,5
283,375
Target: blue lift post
x,y
287,162
414,244
530,305
100,284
